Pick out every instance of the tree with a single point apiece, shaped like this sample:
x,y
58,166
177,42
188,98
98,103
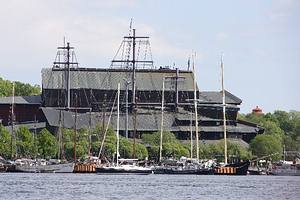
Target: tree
x,y
171,146
47,144
264,145
154,138
25,142
5,143
82,144
21,89
271,128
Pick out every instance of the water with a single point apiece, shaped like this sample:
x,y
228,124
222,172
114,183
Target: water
x,y
92,186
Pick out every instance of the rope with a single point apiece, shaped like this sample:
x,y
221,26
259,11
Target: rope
x,y
102,143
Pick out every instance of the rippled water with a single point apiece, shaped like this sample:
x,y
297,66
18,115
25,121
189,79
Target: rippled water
x,y
92,186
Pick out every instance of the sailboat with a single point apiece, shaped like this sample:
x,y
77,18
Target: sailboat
x,y
239,168
55,166
184,166
122,166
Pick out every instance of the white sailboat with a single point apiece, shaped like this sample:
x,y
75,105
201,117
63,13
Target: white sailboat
x,y
121,168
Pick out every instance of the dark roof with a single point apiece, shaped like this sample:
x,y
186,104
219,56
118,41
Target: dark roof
x,y
21,100
107,79
30,126
145,122
146,80
213,97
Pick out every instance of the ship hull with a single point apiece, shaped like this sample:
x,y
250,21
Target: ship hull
x,y
286,170
123,170
240,168
175,171
55,168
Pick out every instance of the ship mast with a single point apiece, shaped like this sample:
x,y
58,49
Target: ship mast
x,y
191,134
196,111
224,112
162,119
118,119
75,128
66,62
13,135
133,39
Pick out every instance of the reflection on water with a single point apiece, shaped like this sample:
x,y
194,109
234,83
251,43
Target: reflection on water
x,y
92,186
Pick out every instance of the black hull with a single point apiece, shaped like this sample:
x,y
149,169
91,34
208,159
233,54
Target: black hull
x,y
240,168
101,170
184,172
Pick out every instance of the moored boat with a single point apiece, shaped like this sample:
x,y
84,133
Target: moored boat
x,y
42,166
124,169
186,166
240,168
286,168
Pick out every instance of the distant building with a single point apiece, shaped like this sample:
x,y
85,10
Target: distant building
x,y
95,89
92,93
257,111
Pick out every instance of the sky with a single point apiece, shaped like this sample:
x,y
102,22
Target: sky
x,y
260,41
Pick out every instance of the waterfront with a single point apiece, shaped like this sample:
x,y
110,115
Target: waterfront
x,y
92,186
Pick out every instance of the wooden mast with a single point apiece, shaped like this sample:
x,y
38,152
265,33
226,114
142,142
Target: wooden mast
x,y
75,128
162,119
196,110
13,135
191,134
224,112
118,119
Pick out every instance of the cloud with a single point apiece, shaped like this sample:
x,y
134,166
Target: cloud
x,y
221,36
283,9
31,30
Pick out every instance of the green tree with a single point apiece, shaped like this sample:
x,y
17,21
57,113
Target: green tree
x,y
25,142
47,144
271,128
82,144
126,149
5,143
263,145
154,138
21,89
171,146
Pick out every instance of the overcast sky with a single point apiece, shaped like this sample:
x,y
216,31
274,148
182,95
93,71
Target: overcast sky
x,y
260,40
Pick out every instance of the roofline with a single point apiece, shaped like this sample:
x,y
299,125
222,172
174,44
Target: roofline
x,y
159,70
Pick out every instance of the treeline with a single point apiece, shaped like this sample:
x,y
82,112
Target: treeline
x,y
21,89
282,131
45,145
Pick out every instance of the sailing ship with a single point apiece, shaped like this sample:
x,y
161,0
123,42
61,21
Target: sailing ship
x,y
42,166
239,168
53,166
122,166
183,166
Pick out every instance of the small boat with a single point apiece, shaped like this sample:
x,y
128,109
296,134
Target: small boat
x,y
186,166
42,166
239,168
125,166
183,171
124,169
286,168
